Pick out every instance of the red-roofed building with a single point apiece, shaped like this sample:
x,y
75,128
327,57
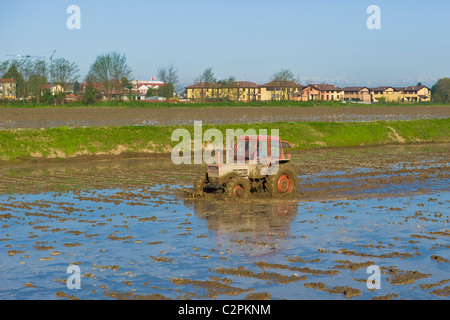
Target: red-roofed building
x,y
325,92
140,88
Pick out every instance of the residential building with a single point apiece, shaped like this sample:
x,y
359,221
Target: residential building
x,y
397,94
308,93
96,85
329,92
416,94
71,97
204,91
7,88
242,91
289,90
326,92
115,91
357,94
151,82
141,87
387,94
279,90
55,88
141,91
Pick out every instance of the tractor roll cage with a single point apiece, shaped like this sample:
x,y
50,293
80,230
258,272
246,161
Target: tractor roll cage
x,y
261,148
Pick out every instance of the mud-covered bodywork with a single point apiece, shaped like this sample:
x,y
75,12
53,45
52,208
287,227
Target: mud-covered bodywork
x,y
253,161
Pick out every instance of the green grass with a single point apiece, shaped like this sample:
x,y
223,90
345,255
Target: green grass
x,y
26,144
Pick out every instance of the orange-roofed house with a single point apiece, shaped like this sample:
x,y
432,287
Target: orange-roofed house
x,y
326,92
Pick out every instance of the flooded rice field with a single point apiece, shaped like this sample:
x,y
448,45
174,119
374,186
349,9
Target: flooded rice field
x,y
131,229
13,118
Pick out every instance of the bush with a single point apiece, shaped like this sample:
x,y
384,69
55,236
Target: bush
x,y
91,95
440,92
47,97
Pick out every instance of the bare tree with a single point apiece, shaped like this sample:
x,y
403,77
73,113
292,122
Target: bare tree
x,y
37,72
169,75
109,69
64,72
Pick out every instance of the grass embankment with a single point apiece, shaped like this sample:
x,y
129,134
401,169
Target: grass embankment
x,y
27,144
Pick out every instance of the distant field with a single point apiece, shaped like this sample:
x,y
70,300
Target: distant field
x,y
12,118
157,104
143,104
18,145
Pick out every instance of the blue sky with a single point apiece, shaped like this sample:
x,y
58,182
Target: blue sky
x,y
319,41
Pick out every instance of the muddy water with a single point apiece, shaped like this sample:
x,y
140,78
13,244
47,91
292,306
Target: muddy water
x,y
135,232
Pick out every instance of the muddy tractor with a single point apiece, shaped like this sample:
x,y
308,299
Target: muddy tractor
x,y
258,164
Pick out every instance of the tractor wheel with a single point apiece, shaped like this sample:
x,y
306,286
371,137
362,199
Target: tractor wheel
x,y
200,184
238,188
284,182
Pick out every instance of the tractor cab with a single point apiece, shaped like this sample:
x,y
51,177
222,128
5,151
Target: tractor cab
x,y
253,149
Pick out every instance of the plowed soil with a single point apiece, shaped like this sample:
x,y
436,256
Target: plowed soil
x,y
11,118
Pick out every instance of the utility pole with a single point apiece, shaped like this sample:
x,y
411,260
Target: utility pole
x,y
51,70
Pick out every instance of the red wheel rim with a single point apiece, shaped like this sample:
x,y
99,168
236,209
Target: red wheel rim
x,y
284,184
238,191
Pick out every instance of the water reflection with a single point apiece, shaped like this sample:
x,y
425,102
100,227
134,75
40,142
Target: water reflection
x,y
258,227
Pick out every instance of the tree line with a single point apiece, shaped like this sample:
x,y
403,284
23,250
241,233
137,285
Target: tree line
x,y
32,77
109,77
440,92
